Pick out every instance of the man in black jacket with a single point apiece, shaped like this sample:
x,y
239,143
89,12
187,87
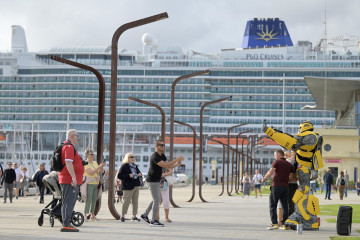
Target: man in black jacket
x,y
328,180
9,178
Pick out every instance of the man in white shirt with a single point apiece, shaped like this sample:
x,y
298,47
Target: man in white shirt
x,y
257,182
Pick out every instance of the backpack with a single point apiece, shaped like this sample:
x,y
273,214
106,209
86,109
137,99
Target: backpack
x,y
55,159
342,181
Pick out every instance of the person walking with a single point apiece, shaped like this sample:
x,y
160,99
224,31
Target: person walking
x,y
157,162
9,178
347,179
257,182
328,180
358,187
281,169
130,175
25,179
69,178
17,185
92,173
341,184
39,175
247,185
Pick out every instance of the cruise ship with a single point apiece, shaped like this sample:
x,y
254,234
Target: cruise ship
x,y
263,80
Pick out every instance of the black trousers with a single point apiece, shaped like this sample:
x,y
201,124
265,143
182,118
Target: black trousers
x,y
278,194
292,189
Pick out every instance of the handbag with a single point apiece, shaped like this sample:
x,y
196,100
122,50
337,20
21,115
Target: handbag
x,y
171,180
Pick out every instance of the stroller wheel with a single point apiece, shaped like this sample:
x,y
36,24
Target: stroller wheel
x,y
51,221
41,220
77,219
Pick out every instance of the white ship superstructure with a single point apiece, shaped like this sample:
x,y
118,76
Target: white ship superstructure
x,y
40,98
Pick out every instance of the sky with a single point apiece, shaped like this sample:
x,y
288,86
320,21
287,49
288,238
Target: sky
x,y
201,25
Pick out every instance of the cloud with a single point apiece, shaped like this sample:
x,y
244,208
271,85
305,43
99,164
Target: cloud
x,y
201,25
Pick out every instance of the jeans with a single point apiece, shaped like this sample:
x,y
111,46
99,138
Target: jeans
x,y
278,194
155,203
328,191
8,187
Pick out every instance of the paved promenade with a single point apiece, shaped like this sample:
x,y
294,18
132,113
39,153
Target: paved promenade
x,y
220,218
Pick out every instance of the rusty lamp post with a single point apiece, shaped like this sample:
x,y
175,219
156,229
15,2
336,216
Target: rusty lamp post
x,y
201,141
228,160
172,116
101,111
237,166
194,157
114,61
160,110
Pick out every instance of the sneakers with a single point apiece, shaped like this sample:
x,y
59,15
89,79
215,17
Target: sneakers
x,y
283,227
145,218
273,226
122,219
156,224
135,219
69,229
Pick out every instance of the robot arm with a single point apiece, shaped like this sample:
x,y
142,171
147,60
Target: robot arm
x,y
285,140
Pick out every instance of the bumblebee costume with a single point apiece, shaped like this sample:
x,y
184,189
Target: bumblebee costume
x,y
307,145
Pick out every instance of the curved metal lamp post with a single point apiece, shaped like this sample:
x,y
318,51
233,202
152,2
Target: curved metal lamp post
x,y
114,61
172,116
194,157
101,111
228,161
160,110
201,141
237,165
163,117
223,166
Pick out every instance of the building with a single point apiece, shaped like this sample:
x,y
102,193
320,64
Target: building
x,y
41,98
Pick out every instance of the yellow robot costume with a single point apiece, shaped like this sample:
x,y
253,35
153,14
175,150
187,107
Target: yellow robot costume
x,y
307,145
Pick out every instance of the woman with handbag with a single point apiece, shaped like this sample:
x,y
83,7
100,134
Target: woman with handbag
x,y
89,189
130,176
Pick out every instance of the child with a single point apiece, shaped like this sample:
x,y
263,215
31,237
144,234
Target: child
x,y
119,191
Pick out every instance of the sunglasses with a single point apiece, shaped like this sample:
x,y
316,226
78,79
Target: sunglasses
x,y
92,154
131,157
161,145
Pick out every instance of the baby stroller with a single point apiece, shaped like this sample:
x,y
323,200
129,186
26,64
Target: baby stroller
x,y
53,209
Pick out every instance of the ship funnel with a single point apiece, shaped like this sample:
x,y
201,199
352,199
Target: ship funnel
x,y
18,39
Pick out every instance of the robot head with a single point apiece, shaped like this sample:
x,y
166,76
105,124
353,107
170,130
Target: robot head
x,y
305,126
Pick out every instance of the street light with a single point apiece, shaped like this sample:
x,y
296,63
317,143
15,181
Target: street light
x,y
223,160
194,157
162,134
114,60
228,160
101,110
238,175
201,141
162,137
172,107
172,115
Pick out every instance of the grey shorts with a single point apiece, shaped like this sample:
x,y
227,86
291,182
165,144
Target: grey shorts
x,y
17,185
258,186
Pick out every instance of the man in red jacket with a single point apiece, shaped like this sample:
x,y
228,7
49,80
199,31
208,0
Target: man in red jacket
x,y
70,178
